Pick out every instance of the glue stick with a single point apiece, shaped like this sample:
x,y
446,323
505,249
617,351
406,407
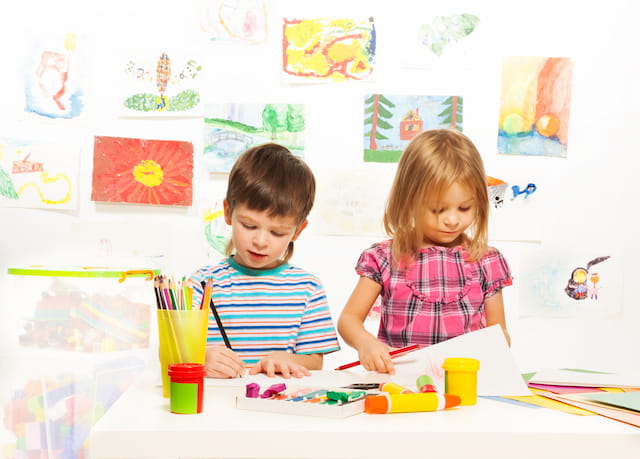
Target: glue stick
x,y
409,403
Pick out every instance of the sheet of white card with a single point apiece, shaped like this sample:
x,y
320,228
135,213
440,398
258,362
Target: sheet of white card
x,y
630,378
498,373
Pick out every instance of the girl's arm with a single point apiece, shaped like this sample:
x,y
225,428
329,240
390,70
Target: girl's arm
x,y
373,354
494,311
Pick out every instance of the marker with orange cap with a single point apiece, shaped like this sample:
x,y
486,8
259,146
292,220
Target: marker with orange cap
x,y
409,403
393,388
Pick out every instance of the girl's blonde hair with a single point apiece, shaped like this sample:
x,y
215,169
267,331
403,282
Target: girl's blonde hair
x,y
269,177
432,162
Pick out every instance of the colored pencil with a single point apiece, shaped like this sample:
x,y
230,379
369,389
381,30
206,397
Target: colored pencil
x,y
207,295
394,353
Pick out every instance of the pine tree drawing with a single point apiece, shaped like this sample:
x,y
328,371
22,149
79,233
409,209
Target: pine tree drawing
x,y
376,106
452,114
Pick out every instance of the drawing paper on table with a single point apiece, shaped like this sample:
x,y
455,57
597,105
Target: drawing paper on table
x,y
498,373
626,400
627,417
586,378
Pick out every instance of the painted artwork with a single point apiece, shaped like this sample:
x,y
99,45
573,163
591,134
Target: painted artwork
x,y
216,232
445,31
347,204
535,102
142,171
328,49
166,84
516,213
53,77
392,121
501,192
243,21
559,283
38,175
229,129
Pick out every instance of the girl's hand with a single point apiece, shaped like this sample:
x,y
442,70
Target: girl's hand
x,y
374,356
221,362
280,362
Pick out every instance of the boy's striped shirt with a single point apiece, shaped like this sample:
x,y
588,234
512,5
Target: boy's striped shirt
x,y
283,309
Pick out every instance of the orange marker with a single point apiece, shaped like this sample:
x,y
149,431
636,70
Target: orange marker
x,y
409,403
393,388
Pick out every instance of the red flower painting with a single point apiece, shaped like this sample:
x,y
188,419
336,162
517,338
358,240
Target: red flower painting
x,y
142,171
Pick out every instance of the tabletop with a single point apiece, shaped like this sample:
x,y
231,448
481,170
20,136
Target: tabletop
x,y
140,425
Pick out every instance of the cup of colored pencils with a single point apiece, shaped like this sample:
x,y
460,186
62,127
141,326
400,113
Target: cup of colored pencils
x,y
182,326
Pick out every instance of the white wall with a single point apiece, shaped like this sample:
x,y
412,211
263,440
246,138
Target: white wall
x,y
590,198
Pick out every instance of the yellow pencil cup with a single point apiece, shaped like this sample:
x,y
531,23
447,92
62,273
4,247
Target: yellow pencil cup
x,y
182,338
461,379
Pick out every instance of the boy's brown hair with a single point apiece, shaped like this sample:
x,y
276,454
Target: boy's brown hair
x,y
269,177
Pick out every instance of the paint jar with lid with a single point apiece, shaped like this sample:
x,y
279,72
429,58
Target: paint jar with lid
x,y
186,388
461,378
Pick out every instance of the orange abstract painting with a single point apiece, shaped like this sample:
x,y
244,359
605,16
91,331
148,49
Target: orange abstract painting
x,y
142,171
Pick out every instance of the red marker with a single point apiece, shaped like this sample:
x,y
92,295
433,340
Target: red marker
x,y
394,353
409,403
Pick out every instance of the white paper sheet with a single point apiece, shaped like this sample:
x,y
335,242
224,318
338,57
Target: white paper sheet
x,y
498,373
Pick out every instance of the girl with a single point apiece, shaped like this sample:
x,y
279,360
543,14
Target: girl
x,y
437,276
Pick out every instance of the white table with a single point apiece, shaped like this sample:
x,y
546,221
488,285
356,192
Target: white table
x,y
139,425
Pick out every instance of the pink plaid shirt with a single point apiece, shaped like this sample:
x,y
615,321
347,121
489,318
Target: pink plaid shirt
x,y
438,297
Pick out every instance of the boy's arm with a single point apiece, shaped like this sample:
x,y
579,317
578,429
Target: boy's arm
x,y
494,312
287,364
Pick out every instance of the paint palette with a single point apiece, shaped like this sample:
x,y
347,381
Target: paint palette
x,y
328,403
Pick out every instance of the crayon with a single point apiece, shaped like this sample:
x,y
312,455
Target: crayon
x,y
393,354
425,384
346,397
307,396
409,403
393,388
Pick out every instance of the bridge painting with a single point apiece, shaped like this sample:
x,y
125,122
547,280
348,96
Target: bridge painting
x,y
232,128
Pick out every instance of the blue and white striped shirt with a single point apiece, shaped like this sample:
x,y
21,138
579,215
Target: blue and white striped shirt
x,y
262,311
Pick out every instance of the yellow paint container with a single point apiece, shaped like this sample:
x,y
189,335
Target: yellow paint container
x,y
461,379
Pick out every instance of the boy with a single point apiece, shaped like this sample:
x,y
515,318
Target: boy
x,y
276,315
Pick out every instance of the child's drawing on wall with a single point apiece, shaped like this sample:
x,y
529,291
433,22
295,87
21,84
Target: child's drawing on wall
x,y
556,283
38,174
391,121
53,78
166,85
328,49
534,106
445,31
243,21
515,215
578,286
142,171
230,129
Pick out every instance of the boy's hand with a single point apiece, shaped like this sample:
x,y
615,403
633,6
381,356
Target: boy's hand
x,y
280,362
374,356
221,362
